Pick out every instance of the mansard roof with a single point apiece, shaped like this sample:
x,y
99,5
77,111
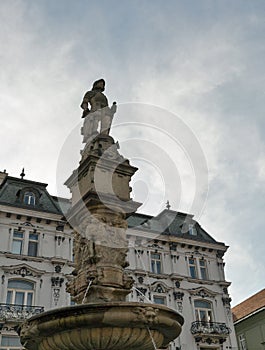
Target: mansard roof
x,y
171,223
12,190
168,222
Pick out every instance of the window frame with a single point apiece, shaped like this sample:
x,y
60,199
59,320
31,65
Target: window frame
x,y
200,310
29,242
12,293
29,198
156,263
15,240
193,267
33,243
192,230
12,346
242,342
203,269
161,297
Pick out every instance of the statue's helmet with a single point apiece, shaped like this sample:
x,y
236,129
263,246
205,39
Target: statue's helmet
x,y
99,84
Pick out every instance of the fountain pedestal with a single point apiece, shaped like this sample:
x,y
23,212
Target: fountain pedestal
x,y
99,283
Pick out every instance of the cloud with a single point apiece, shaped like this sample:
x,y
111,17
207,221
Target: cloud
x,y
202,61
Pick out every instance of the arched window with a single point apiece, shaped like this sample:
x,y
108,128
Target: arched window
x,y
29,198
203,311
20,292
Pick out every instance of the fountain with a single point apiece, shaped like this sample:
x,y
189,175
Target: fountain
x,y
102,318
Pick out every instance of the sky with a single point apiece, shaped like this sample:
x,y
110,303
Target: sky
x,y
188,78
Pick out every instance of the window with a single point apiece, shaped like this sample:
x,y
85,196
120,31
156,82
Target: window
x,y
33,244
159,300
29,198
242,342
192,268
156,263
192,230
25,243
10,342
17,243
20,292
203,269
203,311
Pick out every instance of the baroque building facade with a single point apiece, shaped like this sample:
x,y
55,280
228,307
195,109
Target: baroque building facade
x,y
171,258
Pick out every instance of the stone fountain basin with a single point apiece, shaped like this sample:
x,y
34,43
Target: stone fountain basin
x,y
110,325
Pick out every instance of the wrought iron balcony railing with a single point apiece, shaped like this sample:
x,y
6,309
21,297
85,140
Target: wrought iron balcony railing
x,y
18,312
210,328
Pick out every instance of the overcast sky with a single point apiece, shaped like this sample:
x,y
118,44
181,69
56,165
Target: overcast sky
x,y
188,77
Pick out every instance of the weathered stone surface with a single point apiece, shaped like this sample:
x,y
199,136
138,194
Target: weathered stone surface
x,y
109,326
99,114
100,204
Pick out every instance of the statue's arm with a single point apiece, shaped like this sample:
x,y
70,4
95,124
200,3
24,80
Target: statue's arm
x,y
86,100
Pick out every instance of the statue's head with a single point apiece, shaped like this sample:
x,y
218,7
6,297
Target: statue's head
x,y
99,85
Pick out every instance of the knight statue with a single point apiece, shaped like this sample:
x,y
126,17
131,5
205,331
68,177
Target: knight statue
x,y
99,117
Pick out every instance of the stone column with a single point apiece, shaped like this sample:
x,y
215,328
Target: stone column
x,y
100,204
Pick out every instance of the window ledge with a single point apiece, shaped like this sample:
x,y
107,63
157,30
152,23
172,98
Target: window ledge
x,y
199,281
158,275
24,257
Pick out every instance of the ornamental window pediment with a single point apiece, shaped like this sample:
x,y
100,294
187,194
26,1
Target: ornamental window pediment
x,y
202,292
23,270
160,288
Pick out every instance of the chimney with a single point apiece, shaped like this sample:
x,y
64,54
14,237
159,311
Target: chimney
x,y
3,175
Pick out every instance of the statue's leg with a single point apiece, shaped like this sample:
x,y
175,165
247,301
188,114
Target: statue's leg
x,y
93,123
105,124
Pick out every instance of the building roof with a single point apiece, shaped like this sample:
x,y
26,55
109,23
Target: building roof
x,y
171,223
248,306
168,222
12,190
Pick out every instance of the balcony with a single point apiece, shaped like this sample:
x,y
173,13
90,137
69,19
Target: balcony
x,y
210,332
14,312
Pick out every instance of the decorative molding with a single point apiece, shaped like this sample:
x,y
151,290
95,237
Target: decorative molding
x,y
141,279
155,245
26,224
57,281
202,292
141,291
59,239
178,295
23,270
58,268
18,312
56,295
159,287
209,332
226,301
25,257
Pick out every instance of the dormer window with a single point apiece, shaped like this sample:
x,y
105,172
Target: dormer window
x,y
29,198
192,230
